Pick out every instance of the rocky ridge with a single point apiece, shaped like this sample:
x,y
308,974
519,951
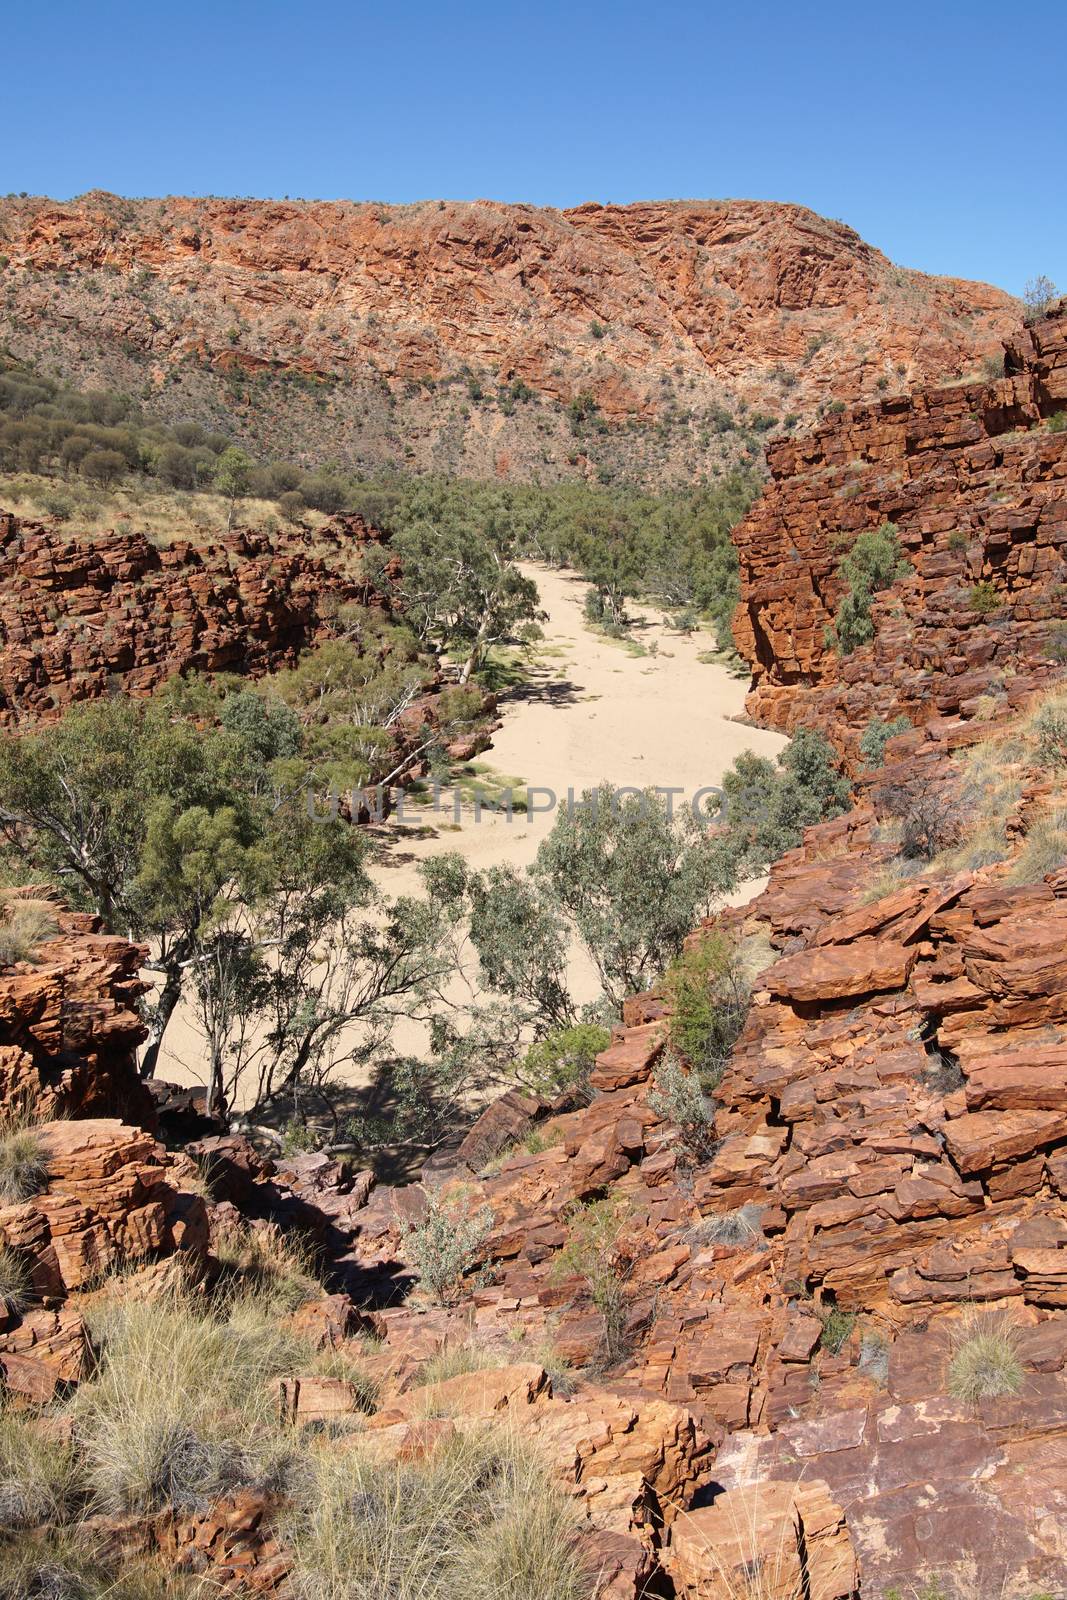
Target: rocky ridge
x,y
327,328
972,476
82,617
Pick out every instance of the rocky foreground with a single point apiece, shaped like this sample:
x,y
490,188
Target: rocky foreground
x,y
747,1388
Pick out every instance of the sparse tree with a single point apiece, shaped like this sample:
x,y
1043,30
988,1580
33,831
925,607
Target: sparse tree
x,y
233,475
1040,295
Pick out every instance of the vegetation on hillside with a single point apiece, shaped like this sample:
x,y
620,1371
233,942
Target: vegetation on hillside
x,y
92,457
874,563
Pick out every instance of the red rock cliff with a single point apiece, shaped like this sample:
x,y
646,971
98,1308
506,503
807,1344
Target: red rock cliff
x,y
973,477
83,615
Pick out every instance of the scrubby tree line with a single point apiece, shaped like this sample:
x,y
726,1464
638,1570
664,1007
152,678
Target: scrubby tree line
x,y
183,822
672,548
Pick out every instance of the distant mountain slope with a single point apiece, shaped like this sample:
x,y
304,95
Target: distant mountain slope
x,y
651,341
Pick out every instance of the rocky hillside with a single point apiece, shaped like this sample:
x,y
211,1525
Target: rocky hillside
x,y
811,1342
972,478
752,1351
650,341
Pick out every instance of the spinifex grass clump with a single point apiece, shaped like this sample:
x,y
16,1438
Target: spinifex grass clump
x,y
985,1360
480,1516
23,1164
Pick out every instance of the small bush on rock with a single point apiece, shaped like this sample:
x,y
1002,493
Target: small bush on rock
x,y
678,1097
874,563
1049,727
837,1326
708,989
445,1245
592,1252
876,736
928,814
769,806
983,599
563,1061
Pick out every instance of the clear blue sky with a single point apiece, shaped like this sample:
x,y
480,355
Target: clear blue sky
x,y
937,130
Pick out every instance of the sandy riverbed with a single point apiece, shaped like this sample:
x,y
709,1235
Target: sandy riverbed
x,y
591,710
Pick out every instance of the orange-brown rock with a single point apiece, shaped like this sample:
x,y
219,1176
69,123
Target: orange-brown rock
x,y
722,302
69,1028
107,1204
973,479
82,615
793,1535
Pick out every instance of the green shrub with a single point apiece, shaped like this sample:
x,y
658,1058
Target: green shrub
x,y
985,1360
708,990
1057,423
445,1245
677,1096
563,1060
874,563
876,736
768,806
983,599
957,541
837,1326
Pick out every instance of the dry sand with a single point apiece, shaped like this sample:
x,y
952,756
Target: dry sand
x,y
591,710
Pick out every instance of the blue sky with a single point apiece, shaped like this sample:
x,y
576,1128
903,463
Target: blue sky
x,y
936,130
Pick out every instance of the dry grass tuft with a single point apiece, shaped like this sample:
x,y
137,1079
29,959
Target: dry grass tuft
x,y
985,1361
480,1516
181,1410
738,1227
23,1165
455,1360
24,924
261,1264
14,1281
1045,848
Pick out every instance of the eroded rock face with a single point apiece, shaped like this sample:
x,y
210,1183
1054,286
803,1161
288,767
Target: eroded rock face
x,y
69,1027
973,479
107,1202
721,302
84,616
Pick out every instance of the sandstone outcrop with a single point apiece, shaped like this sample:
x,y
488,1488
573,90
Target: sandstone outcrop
x,y
107,1201
83,616
973,479
389,324
69,1027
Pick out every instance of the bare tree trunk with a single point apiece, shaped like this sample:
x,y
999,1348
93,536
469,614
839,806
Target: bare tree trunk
x,y
166,1005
